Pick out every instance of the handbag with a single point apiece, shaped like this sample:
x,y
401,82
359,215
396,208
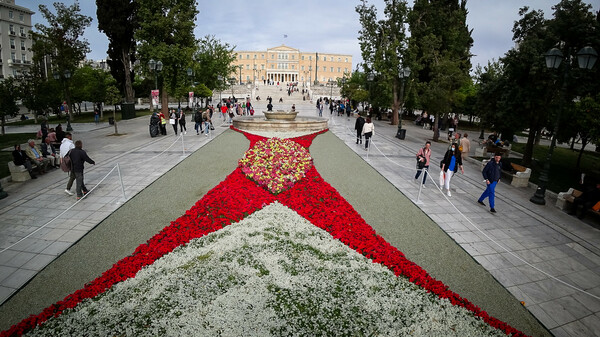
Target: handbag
x,y
442,178
172,121
420,162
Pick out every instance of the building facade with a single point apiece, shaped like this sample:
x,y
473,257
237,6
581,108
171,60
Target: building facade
x,y
15,42
285,64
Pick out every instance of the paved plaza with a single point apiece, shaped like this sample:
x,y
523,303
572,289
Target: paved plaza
x,y
547,259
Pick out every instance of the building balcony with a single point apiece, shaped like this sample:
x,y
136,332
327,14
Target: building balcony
x,y
12,33
23,35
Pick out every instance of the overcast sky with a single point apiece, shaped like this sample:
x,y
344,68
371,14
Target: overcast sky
x,y
328,26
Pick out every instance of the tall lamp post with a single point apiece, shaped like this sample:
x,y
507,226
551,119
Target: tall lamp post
x,y
66,76
155,67
240,66
586,58
190,74
404,73
370,79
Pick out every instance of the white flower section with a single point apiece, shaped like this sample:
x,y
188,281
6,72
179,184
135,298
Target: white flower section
x,y
271,274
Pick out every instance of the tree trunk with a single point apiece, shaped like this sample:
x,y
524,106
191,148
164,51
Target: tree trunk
x,y
436,131
584,142
115,120
395,104
164,97
528,153
126,59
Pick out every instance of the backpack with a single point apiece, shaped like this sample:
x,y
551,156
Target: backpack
x,y
65,163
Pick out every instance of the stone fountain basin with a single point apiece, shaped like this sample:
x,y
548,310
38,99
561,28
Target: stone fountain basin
x,y
280,115
301,124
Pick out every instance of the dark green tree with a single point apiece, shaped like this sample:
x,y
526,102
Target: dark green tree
x,y
383,45
62,41
166,33
440,42
9,94
118,20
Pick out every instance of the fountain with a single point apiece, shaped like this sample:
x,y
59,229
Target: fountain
x,y
280,121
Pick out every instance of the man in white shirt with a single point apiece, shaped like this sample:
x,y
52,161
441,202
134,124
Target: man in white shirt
x,y
65,146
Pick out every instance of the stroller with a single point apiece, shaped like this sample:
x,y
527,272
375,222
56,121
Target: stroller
x,y
154,127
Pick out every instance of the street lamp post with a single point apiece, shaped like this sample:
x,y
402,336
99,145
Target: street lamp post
x,y
240,66
190,74
370,78
66,76
404,73
586,58
155,67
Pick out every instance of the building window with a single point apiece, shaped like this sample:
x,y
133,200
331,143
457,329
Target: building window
x,y
302,57
11,29
339,59
21,17
241,57
13,56
331,69
10,14
293,66
247,56
310,58
331,59
272,56
324,58
346,59
247,67
293,57
262,56
272,66
22,45
247,78
345,70
302,68
339,70
262,66
23,58
12,44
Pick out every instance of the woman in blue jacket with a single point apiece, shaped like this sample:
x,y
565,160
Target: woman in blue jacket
x,y
450,165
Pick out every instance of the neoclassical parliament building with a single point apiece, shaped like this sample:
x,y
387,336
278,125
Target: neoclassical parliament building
x,y
286,64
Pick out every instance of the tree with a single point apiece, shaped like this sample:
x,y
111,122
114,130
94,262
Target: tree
x,y
166,33
113,97
62,40
211,60
118,20
9,94
440,42
383,45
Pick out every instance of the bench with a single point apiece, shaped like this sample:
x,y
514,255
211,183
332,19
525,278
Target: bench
x,y
492,149
518,179
564,201
18,173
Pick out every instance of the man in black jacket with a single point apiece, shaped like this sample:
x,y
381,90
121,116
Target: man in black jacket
x,y
78,158
491,173
20,158
358,126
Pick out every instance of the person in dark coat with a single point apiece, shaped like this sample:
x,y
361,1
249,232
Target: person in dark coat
x,y
491,173
358,126
20,158
78,158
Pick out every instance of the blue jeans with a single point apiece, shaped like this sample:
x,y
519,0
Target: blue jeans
x,y
206,127
489,192
425,169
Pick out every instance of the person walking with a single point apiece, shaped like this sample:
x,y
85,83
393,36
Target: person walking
x,y
198,122
423,157
450,164
368,130
174,120
78,158
182,123
465,146
491,173
358,126
65,146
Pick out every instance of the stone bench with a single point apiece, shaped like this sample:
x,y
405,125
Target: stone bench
x,y
18,173
489,150
518,179
564,201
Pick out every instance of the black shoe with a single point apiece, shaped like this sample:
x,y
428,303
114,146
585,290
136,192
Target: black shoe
x,y
492,210
480,202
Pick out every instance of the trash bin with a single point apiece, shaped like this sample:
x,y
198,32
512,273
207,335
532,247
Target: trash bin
x,y
401,134
128,110
111,121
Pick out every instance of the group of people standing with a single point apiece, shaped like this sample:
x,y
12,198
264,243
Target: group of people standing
x,y
453,162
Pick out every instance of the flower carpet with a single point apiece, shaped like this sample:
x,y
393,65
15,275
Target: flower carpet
x,y
359,283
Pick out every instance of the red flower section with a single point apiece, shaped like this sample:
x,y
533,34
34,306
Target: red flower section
x,y
229,202
235,198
